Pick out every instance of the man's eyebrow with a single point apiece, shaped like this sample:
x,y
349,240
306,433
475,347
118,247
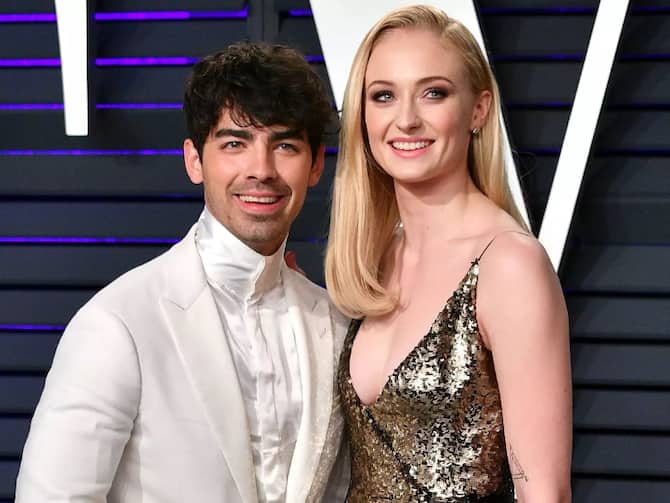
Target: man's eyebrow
x,y
236,133
293,134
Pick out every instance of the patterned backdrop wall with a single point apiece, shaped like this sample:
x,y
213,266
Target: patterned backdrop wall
x,y
77,212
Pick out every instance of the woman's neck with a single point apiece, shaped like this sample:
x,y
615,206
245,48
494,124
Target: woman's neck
x,y
433,213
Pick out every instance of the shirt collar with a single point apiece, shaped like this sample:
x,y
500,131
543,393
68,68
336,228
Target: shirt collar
x,y
231,264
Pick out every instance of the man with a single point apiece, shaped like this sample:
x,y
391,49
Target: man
x,y
207,374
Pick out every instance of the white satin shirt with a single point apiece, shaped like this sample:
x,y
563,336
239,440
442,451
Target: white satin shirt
x,y
250,298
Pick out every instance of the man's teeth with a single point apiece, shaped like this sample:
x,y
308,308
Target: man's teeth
x,y
260,199
410,145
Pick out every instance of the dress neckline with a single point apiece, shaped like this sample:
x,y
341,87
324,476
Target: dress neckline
x,y
411,352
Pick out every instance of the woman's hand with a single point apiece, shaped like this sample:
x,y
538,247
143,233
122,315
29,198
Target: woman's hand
x,y
292,262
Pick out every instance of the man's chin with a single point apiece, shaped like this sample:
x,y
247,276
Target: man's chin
x,y
265,240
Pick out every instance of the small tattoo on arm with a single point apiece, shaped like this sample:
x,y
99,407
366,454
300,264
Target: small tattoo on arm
x,y
517,470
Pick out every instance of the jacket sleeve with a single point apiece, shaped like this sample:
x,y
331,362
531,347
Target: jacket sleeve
x,y
337,487
340,477
85,414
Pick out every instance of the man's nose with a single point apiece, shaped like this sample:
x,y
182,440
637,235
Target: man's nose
x,y
262,165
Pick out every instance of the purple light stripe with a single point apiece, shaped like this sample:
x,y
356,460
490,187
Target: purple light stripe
x,y
28,18
6,327
31,106
100,106
300,12
147,61
178,106
171,15
17,63
314,59
230,14
142,106
84,240
103,62
91,152
48,17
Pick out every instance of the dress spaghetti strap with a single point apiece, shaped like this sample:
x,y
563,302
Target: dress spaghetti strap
x,y
496,237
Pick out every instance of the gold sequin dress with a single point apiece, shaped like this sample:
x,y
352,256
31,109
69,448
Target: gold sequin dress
x,y
435,433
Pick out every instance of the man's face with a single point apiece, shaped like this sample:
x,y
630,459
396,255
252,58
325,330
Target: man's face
x,y
255,179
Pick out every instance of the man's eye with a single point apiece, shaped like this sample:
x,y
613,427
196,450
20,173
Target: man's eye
x,y
382,96
232,144
288,147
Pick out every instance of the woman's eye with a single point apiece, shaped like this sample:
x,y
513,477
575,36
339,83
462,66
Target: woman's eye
x,y
435,93
382,96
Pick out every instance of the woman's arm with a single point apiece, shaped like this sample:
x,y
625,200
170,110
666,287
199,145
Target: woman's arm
x,y
523,320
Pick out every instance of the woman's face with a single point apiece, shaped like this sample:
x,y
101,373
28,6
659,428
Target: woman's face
x,y
419,107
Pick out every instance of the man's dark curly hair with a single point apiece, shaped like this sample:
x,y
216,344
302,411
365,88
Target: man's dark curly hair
x,y
260,85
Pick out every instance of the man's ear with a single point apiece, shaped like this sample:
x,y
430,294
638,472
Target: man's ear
x,y
317,166
192,162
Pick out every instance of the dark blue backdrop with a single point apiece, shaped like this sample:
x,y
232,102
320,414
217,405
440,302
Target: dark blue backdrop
x,y
70,222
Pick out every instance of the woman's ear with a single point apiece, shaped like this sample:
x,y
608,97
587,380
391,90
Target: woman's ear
x,y
481,109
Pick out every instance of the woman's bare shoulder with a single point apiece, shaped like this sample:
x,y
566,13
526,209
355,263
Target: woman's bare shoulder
x,y
514,246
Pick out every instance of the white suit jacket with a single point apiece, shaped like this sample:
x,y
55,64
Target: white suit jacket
x,y
142,403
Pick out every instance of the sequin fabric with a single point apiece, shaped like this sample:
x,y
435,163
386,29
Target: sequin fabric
x,y
435,433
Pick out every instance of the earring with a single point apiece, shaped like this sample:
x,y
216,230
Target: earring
x,y
475,131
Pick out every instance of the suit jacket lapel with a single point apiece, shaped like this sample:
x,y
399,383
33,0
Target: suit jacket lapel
x,y
198,334
312,327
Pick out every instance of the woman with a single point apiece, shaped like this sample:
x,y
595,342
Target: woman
x,y
460,326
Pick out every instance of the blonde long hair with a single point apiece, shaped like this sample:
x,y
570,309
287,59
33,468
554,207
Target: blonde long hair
x,y
364,212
